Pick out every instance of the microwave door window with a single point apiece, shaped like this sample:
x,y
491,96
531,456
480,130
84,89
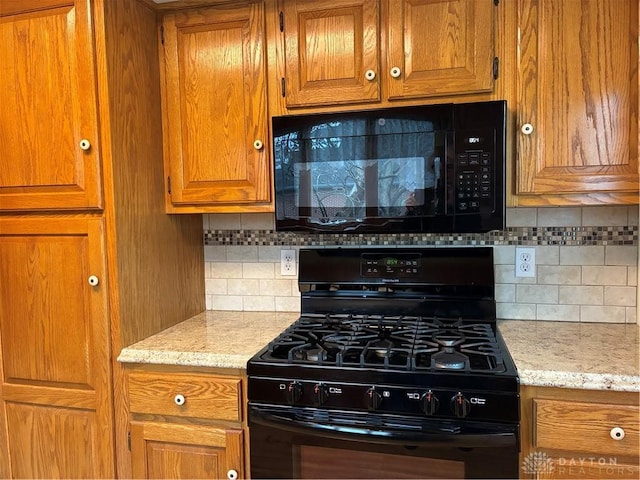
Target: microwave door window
x,y
331,191
352,178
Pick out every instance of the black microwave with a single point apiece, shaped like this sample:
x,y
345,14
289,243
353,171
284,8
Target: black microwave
x,y
431,168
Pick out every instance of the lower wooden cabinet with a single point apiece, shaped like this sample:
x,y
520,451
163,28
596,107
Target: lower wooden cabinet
x,y
579,434
172,450
55,377
186,425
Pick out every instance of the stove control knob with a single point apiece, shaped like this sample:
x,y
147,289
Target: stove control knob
x,y
294,392
320,394
430,403
373,399
460,405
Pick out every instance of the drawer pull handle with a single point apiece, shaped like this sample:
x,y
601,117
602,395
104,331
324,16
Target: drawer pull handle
x,y
93,280
258,144
617,433
232,474
85,144
179,400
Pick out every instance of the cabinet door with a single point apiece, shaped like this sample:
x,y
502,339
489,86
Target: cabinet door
x,y
169,450
440,48
54,339
215,106
332,52
49,146
578,99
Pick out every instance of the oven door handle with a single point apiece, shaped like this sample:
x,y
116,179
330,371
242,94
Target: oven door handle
x,y
433,438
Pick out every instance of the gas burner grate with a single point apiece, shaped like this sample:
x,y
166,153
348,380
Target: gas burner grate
x,y
389,342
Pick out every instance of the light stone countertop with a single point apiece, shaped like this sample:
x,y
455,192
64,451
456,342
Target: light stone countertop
x,y
559,354
210,339
595,356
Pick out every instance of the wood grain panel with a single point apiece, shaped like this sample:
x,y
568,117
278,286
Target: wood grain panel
x,y
206,396
54,335
215,106
166,460
578,87
49,103
171,450
329,47
13,7
441,48
46,440
586,427
51,335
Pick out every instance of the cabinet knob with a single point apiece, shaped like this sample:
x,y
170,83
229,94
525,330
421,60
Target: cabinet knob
x,y
93,280
85,144
232,474
179,400
617,433
395,72
527,129
258,145
370,75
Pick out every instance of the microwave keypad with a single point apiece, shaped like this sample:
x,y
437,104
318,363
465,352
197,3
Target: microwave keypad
x,y
473,186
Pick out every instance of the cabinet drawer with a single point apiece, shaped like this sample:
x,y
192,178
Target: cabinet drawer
x,y
586,427
185,395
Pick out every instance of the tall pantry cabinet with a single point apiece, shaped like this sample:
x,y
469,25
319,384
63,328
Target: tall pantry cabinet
x,y
89,261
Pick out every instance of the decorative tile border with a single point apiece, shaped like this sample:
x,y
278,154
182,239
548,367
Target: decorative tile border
x,y
571,236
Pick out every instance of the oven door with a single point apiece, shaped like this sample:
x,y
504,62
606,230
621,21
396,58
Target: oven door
x,y
289,442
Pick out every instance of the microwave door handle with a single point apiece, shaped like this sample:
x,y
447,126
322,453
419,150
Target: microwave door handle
x,y
432,438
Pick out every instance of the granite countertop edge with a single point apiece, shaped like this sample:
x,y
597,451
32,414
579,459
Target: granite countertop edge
x,y
159,350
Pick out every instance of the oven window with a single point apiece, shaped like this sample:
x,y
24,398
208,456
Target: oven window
x,y
323,462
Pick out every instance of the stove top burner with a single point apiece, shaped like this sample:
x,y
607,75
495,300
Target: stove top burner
x,y
394,342
449,359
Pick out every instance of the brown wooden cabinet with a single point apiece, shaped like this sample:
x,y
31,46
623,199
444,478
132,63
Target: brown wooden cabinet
x,y
360,51
89,261
54,338
579,433
201,433
49,140
577,102
215,109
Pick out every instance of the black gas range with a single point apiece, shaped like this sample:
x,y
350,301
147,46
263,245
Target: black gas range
x,y
394,348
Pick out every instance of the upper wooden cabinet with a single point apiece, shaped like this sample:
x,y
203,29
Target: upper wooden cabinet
x,y
359,51
215,109
49,142
577,105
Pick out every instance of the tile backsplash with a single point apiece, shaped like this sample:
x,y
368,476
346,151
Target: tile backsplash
x,y
586,262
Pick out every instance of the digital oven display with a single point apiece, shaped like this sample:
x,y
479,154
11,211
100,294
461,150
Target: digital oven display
x,y
390,266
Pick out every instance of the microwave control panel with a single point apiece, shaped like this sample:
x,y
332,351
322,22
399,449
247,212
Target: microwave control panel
x,y
474,185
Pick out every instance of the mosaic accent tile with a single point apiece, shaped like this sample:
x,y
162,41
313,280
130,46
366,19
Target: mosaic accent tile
x,y
571,236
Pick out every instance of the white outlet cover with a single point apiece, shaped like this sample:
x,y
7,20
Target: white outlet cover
x,y
525,262
288,265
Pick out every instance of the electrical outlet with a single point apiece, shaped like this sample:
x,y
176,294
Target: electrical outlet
x,y
288,262
525,262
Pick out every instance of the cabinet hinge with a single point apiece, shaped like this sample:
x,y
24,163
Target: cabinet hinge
x,y
496,68
281,15
283,87
169,185
129,440
162,34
